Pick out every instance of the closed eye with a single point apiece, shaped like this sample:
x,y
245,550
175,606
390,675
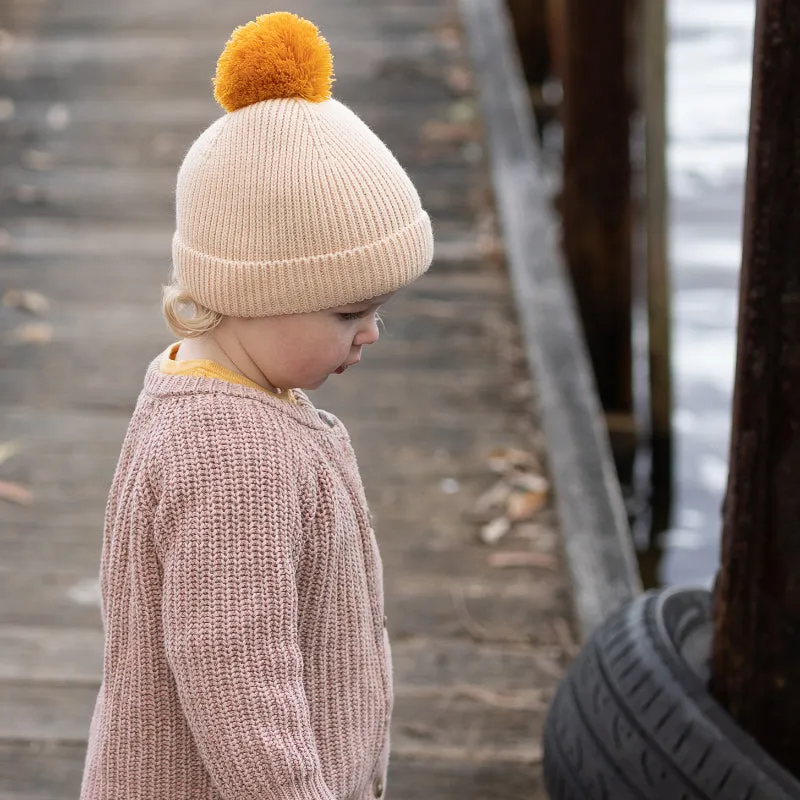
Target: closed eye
x,y
348,316
351,316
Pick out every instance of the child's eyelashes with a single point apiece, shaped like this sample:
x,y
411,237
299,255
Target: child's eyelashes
x,y
349,316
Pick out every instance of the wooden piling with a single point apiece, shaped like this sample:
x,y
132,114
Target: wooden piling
x,y
530,31
596,201
531,27
657,224
756,651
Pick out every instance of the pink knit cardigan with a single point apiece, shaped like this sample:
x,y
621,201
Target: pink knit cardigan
x,y
246,654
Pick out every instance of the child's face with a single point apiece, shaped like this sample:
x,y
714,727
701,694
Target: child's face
x,y
303,350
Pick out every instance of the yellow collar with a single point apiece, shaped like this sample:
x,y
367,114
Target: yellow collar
x,y
205,368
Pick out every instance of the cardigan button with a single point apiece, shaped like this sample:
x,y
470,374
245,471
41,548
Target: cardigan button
x,y
385,620
377,787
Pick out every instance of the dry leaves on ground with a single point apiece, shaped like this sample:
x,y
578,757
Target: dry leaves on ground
x,y
36,332
516,497
449,132
522,559
26,300
13,492
8,449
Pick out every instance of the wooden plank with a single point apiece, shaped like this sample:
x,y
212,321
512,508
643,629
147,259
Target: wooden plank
x,y
37,596
592,515
53,772
458,720
74,655
415,776
425,662
490,619
47,653
91,192
46,712
46,237
40,771
199,110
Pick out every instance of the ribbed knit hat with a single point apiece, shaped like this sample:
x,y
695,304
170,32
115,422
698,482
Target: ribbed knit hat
x,y
289,203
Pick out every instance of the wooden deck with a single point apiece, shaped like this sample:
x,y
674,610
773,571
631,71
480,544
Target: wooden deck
x,y
99,99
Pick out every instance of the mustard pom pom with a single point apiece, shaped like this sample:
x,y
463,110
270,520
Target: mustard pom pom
x,y
276,55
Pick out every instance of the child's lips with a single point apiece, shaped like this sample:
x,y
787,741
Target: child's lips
x,y
341,369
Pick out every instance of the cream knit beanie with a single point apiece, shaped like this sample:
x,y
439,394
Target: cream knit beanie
x,y
289,203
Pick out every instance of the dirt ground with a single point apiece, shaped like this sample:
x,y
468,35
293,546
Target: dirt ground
x,y
99,99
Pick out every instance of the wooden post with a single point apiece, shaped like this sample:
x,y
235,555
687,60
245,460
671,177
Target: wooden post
x,y
530,22
657,224
555,33
596,200
756,651
530,30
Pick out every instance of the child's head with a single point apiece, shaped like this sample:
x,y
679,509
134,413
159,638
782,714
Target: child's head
x,y
293,350
294,220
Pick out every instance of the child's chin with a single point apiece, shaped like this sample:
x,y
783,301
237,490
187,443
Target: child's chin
x,y
309,387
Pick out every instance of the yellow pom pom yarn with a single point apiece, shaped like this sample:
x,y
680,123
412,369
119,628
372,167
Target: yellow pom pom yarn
x,y
275,55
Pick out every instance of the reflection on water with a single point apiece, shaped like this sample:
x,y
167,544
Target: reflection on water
x,y
708,85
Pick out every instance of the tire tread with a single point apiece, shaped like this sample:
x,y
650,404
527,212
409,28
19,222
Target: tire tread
x,y
629,723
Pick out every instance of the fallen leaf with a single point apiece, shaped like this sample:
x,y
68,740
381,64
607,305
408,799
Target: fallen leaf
x,y
506,560
506,458
418,730
449,37
530,482
522,506
448,132
15,493
521,699
27,300
38,160
459,79
462,111
33,332
494,531
8,449
495,497
6,108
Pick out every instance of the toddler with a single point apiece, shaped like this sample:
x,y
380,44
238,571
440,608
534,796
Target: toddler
x,y
246,653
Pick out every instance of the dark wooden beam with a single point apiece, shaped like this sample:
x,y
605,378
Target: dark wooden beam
x,y
596,201
756,653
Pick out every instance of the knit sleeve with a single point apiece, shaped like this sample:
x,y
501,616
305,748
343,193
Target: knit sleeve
x,y
230,528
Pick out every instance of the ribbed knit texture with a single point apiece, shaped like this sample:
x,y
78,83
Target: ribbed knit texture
x,y
287,206
246,654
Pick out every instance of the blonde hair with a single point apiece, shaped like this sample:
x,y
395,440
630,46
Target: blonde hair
x,y
184,315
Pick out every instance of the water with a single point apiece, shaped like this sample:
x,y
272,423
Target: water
x,y
709,61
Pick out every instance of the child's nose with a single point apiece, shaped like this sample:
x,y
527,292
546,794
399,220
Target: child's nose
x,y
369,334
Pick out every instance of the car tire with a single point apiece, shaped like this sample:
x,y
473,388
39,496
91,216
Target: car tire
x,y
633,718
